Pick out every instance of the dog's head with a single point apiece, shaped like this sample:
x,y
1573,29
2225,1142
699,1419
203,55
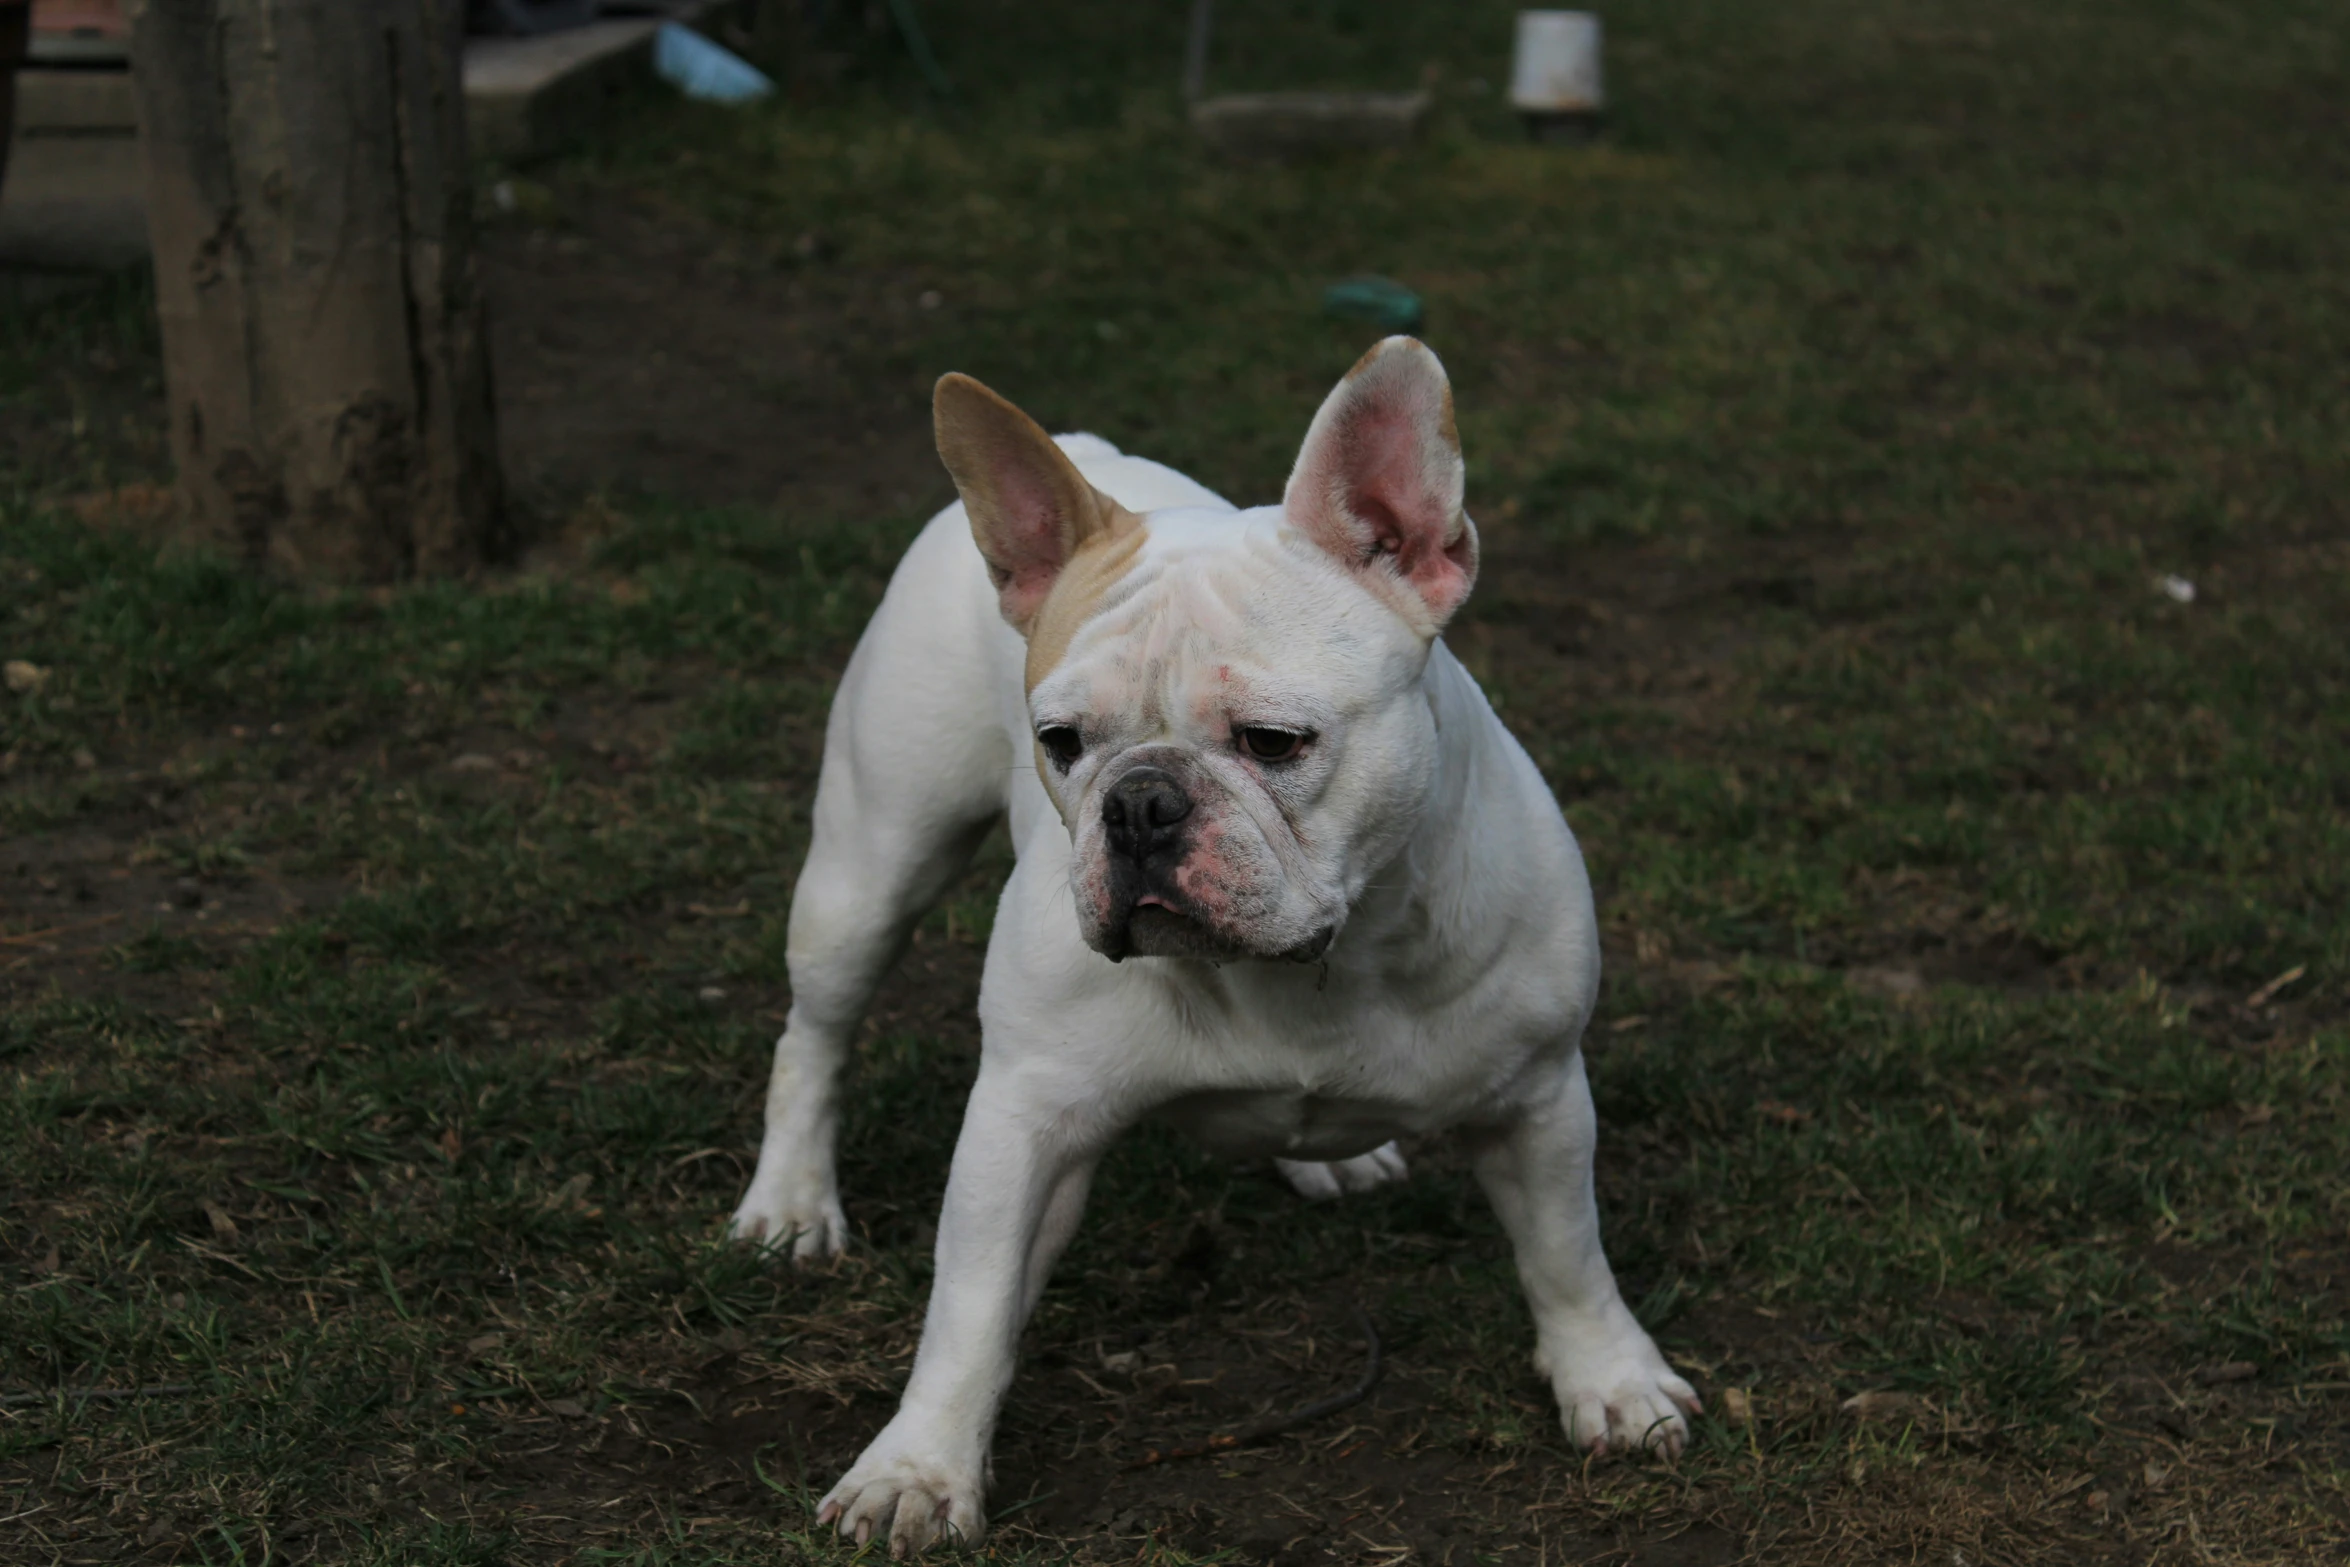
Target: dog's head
x,y
1227,707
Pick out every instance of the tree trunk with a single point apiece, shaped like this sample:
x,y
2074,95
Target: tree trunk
x,y
325,354
15,27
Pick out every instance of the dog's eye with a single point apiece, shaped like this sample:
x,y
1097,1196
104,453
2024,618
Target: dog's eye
x,y
1062,743
1271,745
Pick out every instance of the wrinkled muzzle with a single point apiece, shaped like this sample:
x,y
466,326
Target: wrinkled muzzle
x,y
1168,867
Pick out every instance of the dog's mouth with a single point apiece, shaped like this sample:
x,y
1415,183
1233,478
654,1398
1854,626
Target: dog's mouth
x,y
1153,927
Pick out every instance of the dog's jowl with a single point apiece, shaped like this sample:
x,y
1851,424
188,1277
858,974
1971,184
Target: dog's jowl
x,y
1284,881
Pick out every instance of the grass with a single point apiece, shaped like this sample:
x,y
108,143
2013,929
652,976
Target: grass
x,y
388,976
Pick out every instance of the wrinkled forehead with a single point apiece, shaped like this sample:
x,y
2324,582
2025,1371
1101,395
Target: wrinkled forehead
x,y
1236,602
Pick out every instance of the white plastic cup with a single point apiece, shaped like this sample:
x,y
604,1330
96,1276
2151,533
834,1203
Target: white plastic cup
x,y
1556,72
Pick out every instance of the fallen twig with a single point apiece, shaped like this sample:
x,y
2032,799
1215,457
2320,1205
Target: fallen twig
x,y
158,1390
30,937
1266,1430
2268,992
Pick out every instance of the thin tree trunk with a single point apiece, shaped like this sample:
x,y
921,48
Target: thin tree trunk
x,y
15,28
325,353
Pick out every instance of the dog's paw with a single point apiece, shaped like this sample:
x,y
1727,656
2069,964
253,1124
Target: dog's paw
x,y
1321,1181
807,1220
913,1498
1615,1391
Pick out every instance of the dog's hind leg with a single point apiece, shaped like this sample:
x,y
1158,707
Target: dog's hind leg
x,y
916,768
1322,1180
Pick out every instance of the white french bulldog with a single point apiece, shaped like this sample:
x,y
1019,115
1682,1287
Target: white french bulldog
x,y
1284,881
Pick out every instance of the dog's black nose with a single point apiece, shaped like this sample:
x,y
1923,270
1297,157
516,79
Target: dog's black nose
x,y
1142,811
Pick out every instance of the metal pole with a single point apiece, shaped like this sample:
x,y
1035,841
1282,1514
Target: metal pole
x,y
1195,50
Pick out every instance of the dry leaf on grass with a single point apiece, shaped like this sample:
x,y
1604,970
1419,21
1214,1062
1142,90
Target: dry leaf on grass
x,y
1883,1404
1887,984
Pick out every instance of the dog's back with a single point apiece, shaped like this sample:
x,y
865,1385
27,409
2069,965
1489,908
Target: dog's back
x,y
1136,483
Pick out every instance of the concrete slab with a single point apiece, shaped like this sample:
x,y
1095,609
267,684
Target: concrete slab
x,y
75,101
74,204
525,97
1284,124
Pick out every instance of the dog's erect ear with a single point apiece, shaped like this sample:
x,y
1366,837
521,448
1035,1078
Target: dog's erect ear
x,y
1030,507
1378,482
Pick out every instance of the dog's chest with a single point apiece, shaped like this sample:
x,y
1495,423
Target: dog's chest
x,y
1335,1092
1247,1123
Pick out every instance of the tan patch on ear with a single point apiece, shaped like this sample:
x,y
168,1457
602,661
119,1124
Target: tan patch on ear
x,y
1444,421
1105,557
1364,363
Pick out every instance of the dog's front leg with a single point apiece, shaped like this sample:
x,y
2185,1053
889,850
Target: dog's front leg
x,y
1614,1389
1013,1197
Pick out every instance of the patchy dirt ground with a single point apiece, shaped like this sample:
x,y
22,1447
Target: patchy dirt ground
x,y
641,349
639,358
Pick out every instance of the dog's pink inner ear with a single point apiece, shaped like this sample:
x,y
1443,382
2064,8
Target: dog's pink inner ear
x,y
1027,541
1379,481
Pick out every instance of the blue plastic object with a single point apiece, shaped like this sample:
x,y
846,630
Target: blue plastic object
x,y
701,69
1383,302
